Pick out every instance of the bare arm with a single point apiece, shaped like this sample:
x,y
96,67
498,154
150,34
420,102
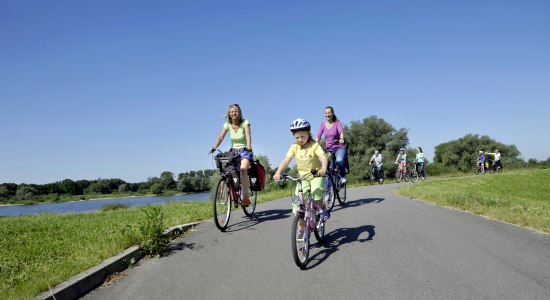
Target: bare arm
x,y
324,164
248,135
219,140
282,167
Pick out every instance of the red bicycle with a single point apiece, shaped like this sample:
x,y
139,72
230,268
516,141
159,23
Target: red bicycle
x,y
229,189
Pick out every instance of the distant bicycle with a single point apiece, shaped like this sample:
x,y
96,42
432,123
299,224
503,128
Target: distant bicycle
x,y
415,173
402,174
479,168
229,190
497,168
306,220
378,176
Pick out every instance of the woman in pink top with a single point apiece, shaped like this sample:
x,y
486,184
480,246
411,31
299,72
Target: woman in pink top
x,y
333,130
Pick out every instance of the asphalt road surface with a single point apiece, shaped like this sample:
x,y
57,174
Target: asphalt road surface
x,y
378,246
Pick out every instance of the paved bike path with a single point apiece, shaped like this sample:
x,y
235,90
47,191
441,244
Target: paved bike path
x,y
379,245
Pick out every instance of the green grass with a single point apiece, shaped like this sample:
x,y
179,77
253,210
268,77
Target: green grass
x,y
38,252
519,197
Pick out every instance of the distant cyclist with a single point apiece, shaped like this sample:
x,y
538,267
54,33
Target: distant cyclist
x,y
401,160
481,161
333,130
496,162
419,161
241,142
378,164
309,156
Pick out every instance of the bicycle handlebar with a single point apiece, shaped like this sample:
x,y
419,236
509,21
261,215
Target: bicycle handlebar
x,y
313,173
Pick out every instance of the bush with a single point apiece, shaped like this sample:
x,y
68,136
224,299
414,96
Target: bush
x,y
152,240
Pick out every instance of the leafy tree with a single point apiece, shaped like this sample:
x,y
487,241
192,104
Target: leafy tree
x,y
373,133
25,192
167,180
4,192
9,189
70,187
156,188
124,188
462,153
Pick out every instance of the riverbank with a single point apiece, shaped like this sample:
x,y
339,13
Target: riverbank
x,y
92,205
95,197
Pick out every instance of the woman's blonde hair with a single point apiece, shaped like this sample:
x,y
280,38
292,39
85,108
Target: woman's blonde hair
x,y
236,106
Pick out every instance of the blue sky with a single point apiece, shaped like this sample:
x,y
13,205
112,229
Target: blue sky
x,y
129,89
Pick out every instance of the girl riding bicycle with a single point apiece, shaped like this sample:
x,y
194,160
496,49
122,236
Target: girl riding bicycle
x,y
401,160
241,142
309,156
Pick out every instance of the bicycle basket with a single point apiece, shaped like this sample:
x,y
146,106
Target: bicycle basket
x,y
227,162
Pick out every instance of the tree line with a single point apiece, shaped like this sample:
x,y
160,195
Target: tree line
x,y
364,137
192,181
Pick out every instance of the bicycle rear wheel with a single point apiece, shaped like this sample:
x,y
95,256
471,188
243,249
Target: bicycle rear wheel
x,y
249,210
300,240
221,205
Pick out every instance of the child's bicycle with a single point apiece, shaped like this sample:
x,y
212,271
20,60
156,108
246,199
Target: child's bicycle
x,y
402,174
229,189
306,220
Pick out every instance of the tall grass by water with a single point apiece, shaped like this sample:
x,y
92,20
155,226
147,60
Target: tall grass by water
x,y
520,196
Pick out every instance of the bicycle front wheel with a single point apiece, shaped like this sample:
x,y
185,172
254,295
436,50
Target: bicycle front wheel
x,y
249,210
300,240
342,192
330,196
398,175
319,229
221,205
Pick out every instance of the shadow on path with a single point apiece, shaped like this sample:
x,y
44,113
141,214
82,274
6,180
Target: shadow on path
x,y
358,202
258,217
337,238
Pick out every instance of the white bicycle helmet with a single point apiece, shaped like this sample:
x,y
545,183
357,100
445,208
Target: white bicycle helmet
x,y
299,124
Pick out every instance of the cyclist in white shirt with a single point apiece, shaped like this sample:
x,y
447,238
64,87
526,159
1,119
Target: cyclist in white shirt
x,y
377,159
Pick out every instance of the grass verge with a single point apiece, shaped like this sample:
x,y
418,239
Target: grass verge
x,y
519,197
38,252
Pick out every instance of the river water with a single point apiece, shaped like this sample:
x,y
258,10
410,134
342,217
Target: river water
x,y
94,205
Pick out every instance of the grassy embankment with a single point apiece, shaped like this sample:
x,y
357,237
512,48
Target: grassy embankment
x,y
40,251
520,197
